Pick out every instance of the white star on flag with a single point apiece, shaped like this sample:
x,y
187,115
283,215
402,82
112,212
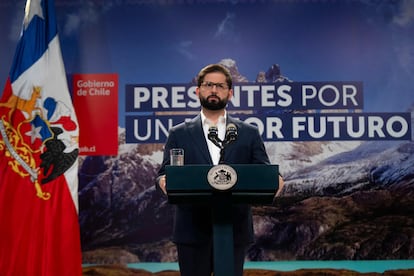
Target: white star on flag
x,y
34,133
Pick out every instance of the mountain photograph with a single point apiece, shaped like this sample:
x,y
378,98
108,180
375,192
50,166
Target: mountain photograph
x,y
341,201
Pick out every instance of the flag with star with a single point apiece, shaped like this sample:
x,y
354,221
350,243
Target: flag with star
x,y
39,232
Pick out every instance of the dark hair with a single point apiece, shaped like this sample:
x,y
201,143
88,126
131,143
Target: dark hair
x,y
214,68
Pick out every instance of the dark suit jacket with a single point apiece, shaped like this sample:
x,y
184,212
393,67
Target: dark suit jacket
x,y
193,222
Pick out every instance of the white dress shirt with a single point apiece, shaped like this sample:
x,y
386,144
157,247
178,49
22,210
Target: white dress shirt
x,y
221,127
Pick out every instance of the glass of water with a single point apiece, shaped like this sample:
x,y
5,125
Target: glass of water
x,y
177,157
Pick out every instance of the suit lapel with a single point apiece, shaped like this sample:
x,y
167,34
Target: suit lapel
x,y
197,135
230,147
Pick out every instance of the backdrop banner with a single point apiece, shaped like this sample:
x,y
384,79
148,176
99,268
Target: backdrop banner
x,y
95,97
328,84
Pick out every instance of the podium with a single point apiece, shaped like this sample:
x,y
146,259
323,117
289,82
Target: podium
x,y
221,186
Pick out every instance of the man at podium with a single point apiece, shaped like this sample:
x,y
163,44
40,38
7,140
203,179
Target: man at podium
x,y
212,137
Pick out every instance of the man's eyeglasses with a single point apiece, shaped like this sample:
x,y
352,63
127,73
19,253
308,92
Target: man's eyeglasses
x,y
219,86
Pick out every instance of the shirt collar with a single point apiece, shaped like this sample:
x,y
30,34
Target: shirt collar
x,y
206,121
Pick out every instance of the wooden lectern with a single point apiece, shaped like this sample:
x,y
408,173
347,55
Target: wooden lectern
x,y
191,184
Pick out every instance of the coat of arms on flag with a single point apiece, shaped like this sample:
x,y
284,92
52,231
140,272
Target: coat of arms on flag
x,y
38,137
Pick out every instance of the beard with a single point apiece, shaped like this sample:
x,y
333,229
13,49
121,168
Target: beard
x,y
210,104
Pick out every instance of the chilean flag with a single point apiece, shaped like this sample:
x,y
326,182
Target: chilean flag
x,y
39,134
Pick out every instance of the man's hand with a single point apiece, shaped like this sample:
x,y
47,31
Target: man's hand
x,y
281,184
162,183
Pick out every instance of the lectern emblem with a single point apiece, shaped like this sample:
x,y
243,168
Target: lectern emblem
x,y
222,177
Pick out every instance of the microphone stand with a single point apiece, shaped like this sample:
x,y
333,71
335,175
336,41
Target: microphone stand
x,y
231,136
221,161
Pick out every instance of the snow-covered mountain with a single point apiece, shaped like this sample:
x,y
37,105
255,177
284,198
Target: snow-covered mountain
x,y
369,165
372,165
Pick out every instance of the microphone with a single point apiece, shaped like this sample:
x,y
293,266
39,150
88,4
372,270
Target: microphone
x,y
213,136
231,134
